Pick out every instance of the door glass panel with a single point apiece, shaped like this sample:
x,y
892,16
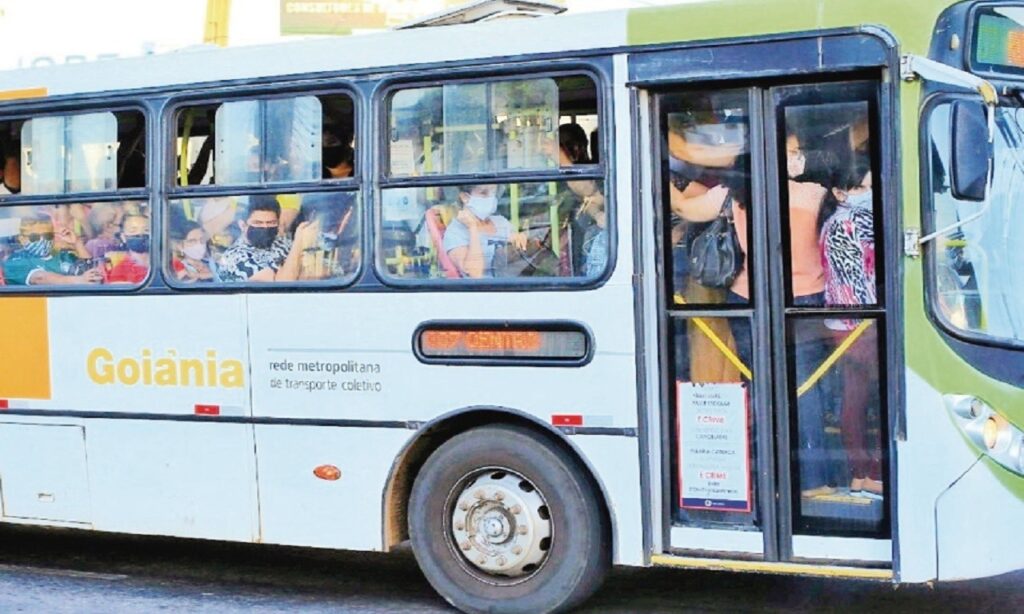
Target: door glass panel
x,y
828,200
831,218
714,455
708,193
839,425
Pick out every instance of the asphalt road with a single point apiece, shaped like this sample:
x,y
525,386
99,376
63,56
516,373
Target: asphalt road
x,y
63,571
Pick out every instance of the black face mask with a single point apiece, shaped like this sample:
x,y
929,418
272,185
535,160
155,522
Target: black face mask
x,y
137,243
261,238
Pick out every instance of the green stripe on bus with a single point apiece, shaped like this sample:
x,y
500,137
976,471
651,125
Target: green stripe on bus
x,y
911,22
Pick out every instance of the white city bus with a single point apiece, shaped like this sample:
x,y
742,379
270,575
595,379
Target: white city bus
x,y
710,286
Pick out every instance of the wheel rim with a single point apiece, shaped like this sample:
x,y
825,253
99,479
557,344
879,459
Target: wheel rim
x,y
500,525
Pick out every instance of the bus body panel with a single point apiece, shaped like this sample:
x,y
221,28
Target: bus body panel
x,y
172,355
43,476
978,525
298,508
924,475
350,356
380,51
616,464
183,479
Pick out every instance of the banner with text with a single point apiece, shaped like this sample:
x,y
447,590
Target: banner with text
x,y
713,432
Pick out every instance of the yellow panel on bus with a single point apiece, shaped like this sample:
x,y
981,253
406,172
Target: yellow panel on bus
x,y
24,349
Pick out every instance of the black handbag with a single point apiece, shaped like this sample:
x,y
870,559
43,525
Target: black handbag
x,y
716,257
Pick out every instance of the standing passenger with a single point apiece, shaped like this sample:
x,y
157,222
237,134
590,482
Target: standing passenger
x,y
848,240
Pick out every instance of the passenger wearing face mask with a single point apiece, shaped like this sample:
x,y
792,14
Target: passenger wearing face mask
x,y
36,262
195,263
133,268
848,240
848,244
262,253
473,237
811,346
805,202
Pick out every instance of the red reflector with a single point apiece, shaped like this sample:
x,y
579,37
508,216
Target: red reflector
x,y
208,410
4,404
567,420
327,472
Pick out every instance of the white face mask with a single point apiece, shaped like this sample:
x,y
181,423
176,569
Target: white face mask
x,y
795,165
482,207
862,200
195,251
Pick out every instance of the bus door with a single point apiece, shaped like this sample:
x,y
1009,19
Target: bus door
x,y
771,249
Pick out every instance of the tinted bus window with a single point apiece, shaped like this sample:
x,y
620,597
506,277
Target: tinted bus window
x,y
257,141
82,152
549,229
264,238
78,245
486,228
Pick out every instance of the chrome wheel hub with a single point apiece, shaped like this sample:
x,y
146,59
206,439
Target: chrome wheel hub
x,y
501,523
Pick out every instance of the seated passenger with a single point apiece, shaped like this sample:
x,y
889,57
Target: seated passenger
x,y
105,220
262,253
590,239
195,263
336,246
473,237
36,263
133,268
217,217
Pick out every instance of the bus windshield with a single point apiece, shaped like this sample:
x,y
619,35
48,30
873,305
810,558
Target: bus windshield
x,y
978,268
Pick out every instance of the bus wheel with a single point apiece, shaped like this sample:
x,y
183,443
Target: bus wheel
x,y
502,521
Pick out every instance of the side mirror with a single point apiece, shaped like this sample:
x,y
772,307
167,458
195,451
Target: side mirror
x,y
972,151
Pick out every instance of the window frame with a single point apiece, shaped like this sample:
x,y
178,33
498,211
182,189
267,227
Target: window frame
x,y
931,299
602,171
172,192
39,108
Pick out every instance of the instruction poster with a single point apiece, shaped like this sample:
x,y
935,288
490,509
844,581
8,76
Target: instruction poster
x,y
713,431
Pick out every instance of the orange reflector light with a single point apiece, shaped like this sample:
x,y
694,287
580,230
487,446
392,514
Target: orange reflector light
x,y
327,472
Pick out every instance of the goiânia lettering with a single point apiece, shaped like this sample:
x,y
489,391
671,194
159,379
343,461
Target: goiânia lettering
x,y
167,370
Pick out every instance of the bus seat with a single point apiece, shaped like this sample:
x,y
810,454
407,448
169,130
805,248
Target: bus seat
x,y
435,226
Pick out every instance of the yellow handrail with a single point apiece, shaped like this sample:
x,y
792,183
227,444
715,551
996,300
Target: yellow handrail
x,y
722,346
819,373
834,357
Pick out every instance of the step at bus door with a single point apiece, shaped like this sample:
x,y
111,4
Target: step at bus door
x,y
770,228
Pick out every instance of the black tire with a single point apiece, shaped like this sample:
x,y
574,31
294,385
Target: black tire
x,y
578,553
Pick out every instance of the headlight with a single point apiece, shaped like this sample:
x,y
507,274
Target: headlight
x,y
990,432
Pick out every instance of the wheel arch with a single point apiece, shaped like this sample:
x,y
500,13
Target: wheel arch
x,y
409,461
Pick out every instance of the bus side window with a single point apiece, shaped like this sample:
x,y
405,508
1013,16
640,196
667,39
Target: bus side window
x,y
251,236
245,142
490,229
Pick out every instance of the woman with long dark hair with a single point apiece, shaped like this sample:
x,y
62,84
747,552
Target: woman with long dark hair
x,y
848,253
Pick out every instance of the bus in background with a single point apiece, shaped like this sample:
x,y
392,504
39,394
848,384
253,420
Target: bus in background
x,y
694,290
